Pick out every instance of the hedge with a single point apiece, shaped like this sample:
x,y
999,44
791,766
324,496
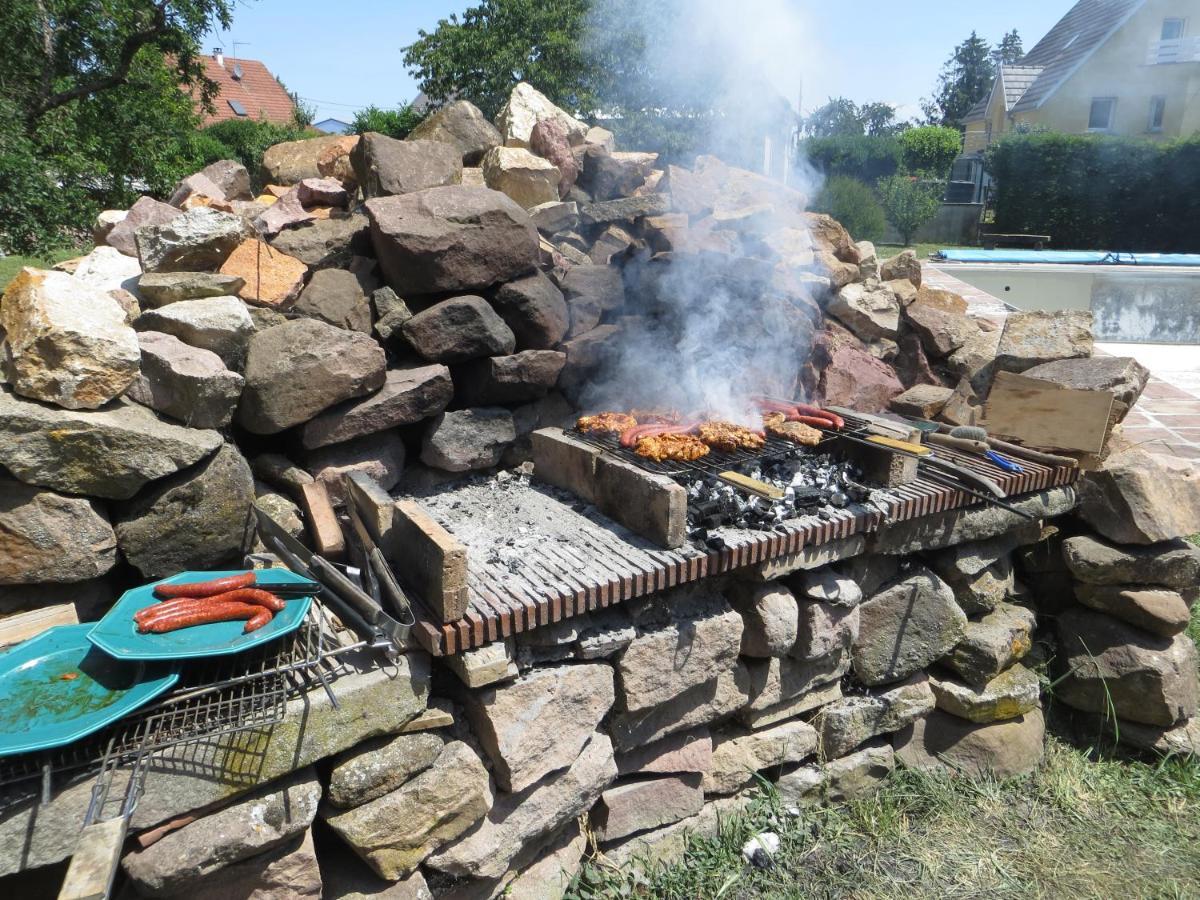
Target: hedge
x,y
1092,192
855,156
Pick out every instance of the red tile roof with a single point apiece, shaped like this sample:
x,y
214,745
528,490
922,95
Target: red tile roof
x,y
260,95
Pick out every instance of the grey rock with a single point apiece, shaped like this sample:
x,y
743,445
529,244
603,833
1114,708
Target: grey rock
x,y
195,519
1109,665
1032,338
1123,376
296,370
827,585
451,239
1012,693
688,751
326,243
335,296
1138,497
992,644
1159,611
791,708
598,285
712,701
231,177
535,310
518,378
905,627
184,382
380,766
738,754
289,870
457,330
1174,564
638,806
160,288
408,395
770,618
942,742
280,471
279,508
776,681
111,452
390,313
849,778
219,324
870,314
108,269
624,210
253,824
607,177
539,723
607,632
200,239
846,723
385,166
464,127
51,538
345,877
146,211
825,629
468,439
380,456
291,162
517,821
395,832
985,590
555,217
940,320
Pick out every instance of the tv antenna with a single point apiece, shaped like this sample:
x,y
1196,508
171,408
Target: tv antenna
x,y
236,44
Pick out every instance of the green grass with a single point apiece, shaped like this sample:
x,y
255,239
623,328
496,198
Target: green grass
x,y
11,265
922,250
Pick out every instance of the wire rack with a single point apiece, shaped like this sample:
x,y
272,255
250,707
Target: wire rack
x,y
213,699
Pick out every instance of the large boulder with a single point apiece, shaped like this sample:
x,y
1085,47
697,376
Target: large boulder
x,y
1157,610
945,743
161,288
525,107
46,537
219,324
378,456
326,243
335,296
992,644
940,320
905,627
856,379
110,452
539,723
146,211
904,265
535,310
66,342
1174,564
201,239
196,519
517,821
609,177
1138,497
395,832
1123,376
1012,693
468,439
770,619
869,313
385,166
1110,666
108,269
293,161
549,140
527,179
303,367
453,238
464,127
457,330
1032,338
518,378
186,383
381,765
408,395
269,276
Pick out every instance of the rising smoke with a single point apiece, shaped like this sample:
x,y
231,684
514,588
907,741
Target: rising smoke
x,y
712,324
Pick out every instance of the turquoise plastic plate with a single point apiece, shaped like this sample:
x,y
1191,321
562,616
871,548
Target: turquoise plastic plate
x,y
57,688
116,634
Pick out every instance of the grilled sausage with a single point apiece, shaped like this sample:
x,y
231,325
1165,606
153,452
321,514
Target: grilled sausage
x,y
814,421
258,620
265,599
171,606
204,615
807,409
205,588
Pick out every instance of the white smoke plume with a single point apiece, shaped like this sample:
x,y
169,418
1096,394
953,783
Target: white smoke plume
x,y
708,327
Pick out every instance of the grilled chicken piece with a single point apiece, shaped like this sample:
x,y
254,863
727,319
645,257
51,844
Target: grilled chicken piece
x,y
727,437
650,417
778,426
606,422
675,447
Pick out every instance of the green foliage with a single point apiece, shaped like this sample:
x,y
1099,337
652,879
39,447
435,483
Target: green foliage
x,y
396,123
865,158
1009,51
965,78
930,149
1098,192
841,117
246,140
909,202
482,54
854,205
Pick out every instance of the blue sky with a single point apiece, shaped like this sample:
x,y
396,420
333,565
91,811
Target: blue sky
x,y
346,55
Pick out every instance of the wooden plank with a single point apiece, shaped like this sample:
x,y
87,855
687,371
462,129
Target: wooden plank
x,y
427,557
24,625
323,526
97,855
1047,416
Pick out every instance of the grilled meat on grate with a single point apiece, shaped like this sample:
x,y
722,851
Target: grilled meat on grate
x,y
727,437
606,422
778,426
675,447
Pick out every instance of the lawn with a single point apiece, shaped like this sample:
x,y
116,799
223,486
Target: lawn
x,y
1085,825
11,265
922,250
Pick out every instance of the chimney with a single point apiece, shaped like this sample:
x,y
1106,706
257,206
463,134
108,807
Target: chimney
x,y
219,56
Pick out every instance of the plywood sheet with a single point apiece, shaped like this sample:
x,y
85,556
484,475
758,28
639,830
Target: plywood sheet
x,y
1047,416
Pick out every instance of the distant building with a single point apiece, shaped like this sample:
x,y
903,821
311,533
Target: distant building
x,y
247,90
332,126
1129,67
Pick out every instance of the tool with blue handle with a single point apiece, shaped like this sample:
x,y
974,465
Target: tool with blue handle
x,y
1006,464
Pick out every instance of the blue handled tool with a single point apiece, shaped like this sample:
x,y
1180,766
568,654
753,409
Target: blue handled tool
x,y
1004,463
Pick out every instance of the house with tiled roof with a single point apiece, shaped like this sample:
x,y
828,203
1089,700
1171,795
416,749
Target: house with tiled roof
x,y
246,90
1129,67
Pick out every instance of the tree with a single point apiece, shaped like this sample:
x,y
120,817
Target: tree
x,y
841,117
930,150
482,54
965,78
854,204
880,119
1010,50
396,123
909,203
